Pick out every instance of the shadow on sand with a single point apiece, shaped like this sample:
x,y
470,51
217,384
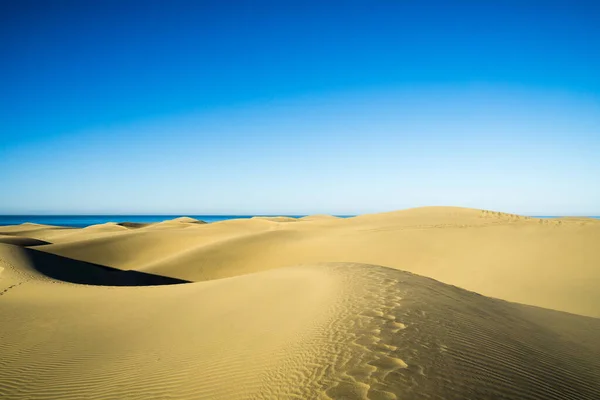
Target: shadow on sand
x,y
21,240
82,272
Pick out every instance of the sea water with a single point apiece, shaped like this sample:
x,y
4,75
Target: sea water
x,y
81,221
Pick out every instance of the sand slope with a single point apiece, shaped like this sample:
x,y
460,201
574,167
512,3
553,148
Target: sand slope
x,y
285,309
550,263
324,331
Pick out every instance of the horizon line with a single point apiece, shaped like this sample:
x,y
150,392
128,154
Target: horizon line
x,y
270,215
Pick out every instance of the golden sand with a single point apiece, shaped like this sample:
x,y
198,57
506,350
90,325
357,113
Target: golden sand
x,y
311,308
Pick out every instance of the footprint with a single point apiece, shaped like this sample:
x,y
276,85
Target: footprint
x,y
373,313
362,372
367,340
348,390
375,394
395,327
388,363
386,347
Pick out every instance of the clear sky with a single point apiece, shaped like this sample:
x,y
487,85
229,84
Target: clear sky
x,y
296,107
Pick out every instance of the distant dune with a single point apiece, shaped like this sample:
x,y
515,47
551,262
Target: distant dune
x,y
318,217
320,308
277,219
187,220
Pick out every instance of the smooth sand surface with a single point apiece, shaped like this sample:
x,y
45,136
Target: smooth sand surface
x,y
310,308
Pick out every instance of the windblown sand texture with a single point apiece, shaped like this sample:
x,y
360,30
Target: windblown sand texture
x,y
415,304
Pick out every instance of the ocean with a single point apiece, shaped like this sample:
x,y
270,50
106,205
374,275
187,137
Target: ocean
x,y
81,221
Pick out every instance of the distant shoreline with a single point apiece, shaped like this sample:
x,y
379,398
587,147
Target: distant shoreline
x,y
82,221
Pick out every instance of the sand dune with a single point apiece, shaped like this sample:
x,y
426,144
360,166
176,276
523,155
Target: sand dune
x,y
36,231
302,310
106,227
277,219
317,217
506,256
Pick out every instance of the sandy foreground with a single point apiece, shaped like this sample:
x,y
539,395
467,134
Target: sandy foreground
x,y
414,304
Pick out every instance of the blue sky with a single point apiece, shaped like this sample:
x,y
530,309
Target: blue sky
x,y
299,107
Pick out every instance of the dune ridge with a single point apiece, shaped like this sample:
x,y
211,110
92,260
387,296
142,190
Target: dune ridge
x,y
284,310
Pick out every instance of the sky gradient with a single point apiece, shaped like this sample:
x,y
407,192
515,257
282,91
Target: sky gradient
x,y
299,107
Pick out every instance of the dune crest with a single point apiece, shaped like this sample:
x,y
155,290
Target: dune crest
x,y
186,220
316,217
276,219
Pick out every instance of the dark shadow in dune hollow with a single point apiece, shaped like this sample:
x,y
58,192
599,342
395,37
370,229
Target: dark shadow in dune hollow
x,y
21,240
134,225
86,273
